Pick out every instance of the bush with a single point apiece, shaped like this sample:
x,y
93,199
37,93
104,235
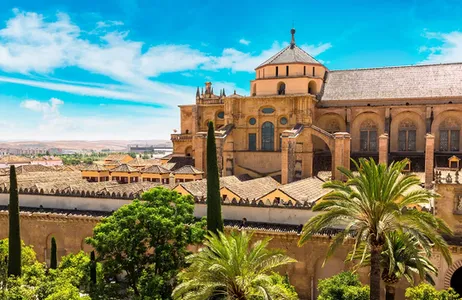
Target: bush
x,y
424,291
343,286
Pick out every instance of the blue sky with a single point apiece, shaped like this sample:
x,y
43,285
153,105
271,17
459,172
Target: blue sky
x,y
118,69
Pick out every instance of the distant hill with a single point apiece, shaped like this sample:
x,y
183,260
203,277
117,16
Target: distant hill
x,y
84,145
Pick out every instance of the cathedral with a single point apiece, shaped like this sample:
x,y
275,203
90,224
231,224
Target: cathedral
x,y
302,118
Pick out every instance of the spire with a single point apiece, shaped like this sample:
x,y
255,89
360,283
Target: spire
x,y
197,93
234,92
221,93
202,92
292,42
224,93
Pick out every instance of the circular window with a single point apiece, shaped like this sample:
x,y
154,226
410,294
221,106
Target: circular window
x,y
221,115
283,120
252,121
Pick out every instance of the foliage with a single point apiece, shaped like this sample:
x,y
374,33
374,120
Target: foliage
x,y
38,283
214,218
53,256
343,286
232,267
424,291
147,241
14,250
373,203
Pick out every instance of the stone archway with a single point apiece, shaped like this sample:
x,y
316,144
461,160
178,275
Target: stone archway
x,y
453,277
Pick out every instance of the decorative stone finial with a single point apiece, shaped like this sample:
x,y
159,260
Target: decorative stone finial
x,y
292,42
197,93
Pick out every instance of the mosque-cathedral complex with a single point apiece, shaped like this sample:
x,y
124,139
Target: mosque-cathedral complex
x,y
302,118
276,148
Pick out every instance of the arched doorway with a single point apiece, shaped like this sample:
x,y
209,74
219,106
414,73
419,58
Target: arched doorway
x,y
456,281
281,88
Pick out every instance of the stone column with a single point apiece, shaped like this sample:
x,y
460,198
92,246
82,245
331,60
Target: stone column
x,y
287,158
341,154
429,159
383,149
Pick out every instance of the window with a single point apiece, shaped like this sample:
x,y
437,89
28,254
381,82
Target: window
x,y
283,121
368,136
267,110
267,136
221,115
304,70
287,70
277,71
252,141
312,87
449,135
281,88
252,121
407,136
314,71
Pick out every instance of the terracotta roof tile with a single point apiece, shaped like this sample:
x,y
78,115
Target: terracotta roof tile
x,y
124,168
188,170
155,169
255,188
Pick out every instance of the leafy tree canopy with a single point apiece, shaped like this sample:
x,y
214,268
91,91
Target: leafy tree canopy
x,y
425,291
343,286
147,240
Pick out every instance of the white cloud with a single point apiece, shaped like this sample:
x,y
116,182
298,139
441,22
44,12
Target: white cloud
x,y
449,48
315,50
49,109
55,126
244,42
106,24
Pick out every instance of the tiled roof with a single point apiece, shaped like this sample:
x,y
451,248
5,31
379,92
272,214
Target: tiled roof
x,y
169,166
94,167
155,169
137,162
290,55
33,168
124,168
408,82
181,161
115,157
188,170
198,188
13,159
253,189
306,190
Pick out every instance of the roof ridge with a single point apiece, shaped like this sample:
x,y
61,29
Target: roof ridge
x,y
273,57
396,67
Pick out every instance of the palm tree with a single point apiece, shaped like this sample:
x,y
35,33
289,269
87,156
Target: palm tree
x,y
373,203
229,267
401,257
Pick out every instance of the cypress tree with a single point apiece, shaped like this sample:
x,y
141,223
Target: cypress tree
x,y
53,258
214,218
14,238
93,267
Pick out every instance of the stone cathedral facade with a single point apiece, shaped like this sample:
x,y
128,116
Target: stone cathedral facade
x,y
302,118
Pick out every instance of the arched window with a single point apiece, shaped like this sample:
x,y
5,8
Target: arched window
x,y
267,136
281,88
449,135
407,136
287,70
254,89
368,136
312,88
277,71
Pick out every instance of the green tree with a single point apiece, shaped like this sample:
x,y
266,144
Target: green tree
x,y
53,256
232,267
373,203
401,257
343,286
424,291
14,250
147,241
214,218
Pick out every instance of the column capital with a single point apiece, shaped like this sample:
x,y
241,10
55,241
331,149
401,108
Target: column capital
x,y
383,136
429,136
